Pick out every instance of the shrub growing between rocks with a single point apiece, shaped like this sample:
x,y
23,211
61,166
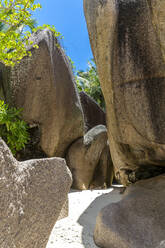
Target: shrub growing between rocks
x,y
12,129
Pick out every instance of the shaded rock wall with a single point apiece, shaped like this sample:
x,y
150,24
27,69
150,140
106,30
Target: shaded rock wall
x,y
93,114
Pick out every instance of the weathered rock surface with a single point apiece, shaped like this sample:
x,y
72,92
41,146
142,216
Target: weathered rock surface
x,y
127,39
65,210
103,174
43,85
32,195
136,221
93,114
87,156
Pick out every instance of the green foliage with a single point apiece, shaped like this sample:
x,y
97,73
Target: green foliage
x,y
88,81
12,129
72,64
15,18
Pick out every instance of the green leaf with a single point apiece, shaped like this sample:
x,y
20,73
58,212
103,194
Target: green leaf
x,y
15,18
12,129
88,81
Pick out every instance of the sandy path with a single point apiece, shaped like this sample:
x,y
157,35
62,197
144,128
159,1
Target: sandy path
x,y
76,231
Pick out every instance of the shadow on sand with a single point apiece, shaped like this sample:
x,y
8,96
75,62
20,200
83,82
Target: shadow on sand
x,y
88,217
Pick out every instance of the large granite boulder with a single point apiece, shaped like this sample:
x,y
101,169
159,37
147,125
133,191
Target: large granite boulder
x,y
44,86
89,161
32,196
128,43
137,221
93,114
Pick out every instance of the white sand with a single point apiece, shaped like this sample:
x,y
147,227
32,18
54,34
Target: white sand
x,y
76,231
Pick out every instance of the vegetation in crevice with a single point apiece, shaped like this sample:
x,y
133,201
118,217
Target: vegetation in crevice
x,y
88,81
13,130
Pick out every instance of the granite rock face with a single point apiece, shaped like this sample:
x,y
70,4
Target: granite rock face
x,y
44,86
93,114
103,174
89,161
137,220
65,210
32,195
127,40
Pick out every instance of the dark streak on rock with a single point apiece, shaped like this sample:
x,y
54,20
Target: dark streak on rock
x,y
102,2
133,39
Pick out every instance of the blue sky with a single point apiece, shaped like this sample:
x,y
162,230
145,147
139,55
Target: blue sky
x,y
68,18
